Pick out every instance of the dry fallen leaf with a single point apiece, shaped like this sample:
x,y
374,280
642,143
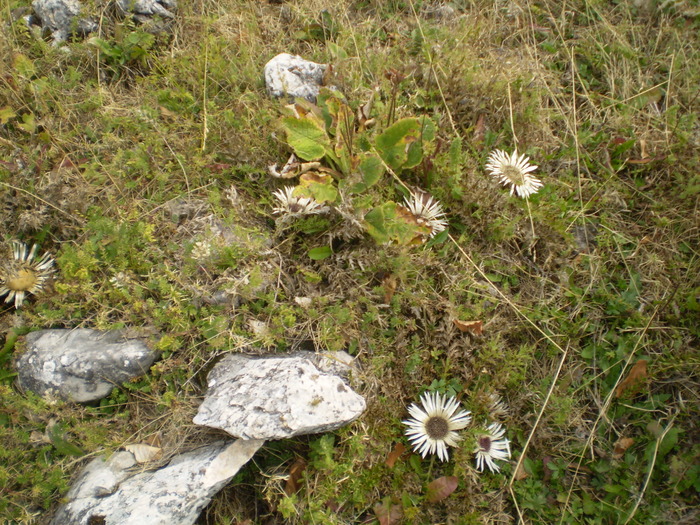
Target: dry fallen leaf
x,y
441,488
295,471
472,327
621,445
395,454
479,132
521,473
388,514
634,381
144,453
389,283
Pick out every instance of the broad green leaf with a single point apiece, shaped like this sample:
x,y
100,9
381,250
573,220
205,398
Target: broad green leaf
x,y
307,137
23,66
416,149
390,222
319,187
6,113
320,253
371,169
394,142
338,52
28,123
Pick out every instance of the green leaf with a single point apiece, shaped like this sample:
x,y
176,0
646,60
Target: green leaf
x,y
6,113
394,142
371,169
307,136
321,252
57,437
24,66
28,123
402,144
386,223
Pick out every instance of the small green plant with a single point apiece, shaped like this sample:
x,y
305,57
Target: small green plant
x,y
345,159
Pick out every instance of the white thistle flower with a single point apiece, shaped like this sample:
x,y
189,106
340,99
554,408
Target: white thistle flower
x,y
296,206
427,211
514,170
432,428
22,276
490,447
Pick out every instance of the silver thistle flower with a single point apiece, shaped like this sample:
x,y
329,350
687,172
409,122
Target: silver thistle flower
x,y
292,206
490,447
432,428
514,170
427,211
23,275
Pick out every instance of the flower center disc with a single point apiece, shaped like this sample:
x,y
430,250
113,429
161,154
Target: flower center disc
x,y
514,175
22,281
436,427
485,443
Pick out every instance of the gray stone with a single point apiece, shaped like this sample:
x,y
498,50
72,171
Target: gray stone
x,y
117,492
61,18
81,365
143,10
292,76
276,397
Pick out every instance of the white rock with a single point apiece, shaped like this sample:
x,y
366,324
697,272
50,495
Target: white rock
x,y
276,397
292,76
62,19
115,493
81,365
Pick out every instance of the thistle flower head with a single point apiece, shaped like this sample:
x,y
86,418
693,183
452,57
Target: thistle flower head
x,y
290,205
22,275
427,211
491,446
432,427
514,170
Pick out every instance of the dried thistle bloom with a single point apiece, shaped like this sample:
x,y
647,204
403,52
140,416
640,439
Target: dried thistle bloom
x,y
497,408
293,206
515,171
427,211
490,447
23,275
432,428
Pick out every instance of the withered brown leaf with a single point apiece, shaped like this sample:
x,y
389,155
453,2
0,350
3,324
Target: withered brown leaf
x,y
635,379
472,327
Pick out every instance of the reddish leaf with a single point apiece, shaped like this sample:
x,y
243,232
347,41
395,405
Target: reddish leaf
x,y
546,470
441,488
621,445
388,514
395,454
472,327
634,380
295,471
479,132
389,283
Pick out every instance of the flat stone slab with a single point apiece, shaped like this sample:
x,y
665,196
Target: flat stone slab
x,y
276,397
116,491
292,76
81,365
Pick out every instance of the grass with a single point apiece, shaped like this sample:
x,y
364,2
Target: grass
x,y
119,157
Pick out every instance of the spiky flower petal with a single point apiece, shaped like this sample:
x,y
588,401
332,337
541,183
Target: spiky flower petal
x,y
490,447
432,428
514,170
22,275
293,206
427,211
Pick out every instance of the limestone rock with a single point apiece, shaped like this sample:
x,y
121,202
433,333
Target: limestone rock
x,y
116,491
276,397
143,10
61,18
81,365
292,76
